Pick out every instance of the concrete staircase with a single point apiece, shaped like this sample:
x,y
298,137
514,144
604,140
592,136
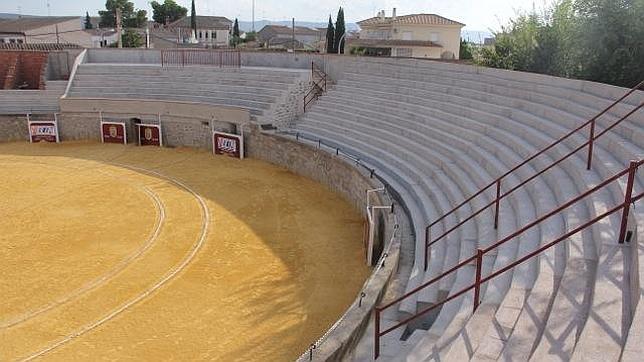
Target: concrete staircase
x,y
438,134
260,90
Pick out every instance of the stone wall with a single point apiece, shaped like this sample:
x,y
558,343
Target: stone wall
x,y
176,131
352,183
13,128
286,108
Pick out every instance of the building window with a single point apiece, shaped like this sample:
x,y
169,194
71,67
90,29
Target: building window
x,y
433,36
1,40
12,41
19,41
206,34
214,34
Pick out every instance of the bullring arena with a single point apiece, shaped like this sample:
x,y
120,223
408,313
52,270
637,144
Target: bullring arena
x,y
274,207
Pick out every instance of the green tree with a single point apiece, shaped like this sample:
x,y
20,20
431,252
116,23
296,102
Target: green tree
x,y
130,17
131,39
612,41
88,21
236,28
340,29
235,39
193,18
168,11
251,36
465,51
330,37
598,40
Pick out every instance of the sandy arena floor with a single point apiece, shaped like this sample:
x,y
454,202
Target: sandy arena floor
x,y
142,253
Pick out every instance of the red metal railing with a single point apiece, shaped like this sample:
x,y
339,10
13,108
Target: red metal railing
x,y
319,85
629,198
182,57
497,183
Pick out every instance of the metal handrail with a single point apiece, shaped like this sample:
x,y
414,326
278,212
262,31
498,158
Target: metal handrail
x,y
497,182
629,199
318,88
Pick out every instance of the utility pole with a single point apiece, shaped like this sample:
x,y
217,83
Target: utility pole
x,y
118,27
293,42
57,37
253,16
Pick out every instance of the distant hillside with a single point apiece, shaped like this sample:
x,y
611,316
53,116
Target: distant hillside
x,y
14,16
259,24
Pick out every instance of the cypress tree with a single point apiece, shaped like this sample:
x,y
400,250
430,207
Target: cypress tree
x,y
330,37
340,29
193,18
236,29
88,21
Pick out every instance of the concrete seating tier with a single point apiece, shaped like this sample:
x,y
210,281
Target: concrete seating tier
x,y
32,101
439,133
256,89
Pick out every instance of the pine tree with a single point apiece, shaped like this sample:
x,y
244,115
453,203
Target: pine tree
x,y
193,18
88,21
330,37
340,29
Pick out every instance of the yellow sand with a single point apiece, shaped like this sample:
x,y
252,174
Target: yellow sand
x,y
209,258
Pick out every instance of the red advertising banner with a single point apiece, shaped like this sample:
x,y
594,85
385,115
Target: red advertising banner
x,y
228,144
46,131
150,135
113,132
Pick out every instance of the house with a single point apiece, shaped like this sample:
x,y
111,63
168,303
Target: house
x,y
275,36
54,30
415,36
212,31
45,29
102,38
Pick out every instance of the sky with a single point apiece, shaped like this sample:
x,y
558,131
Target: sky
x,y
476,14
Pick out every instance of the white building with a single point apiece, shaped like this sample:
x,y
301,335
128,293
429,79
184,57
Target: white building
x,y
415,35
54,30
212,31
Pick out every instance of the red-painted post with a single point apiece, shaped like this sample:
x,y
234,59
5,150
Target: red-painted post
x,y
376,326
591,140
477,283
496,204
632,169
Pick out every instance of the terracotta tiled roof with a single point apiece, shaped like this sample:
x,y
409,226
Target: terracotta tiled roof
x,y
204,22
281,29
100,32
391,42
21,25
425,19
38,46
